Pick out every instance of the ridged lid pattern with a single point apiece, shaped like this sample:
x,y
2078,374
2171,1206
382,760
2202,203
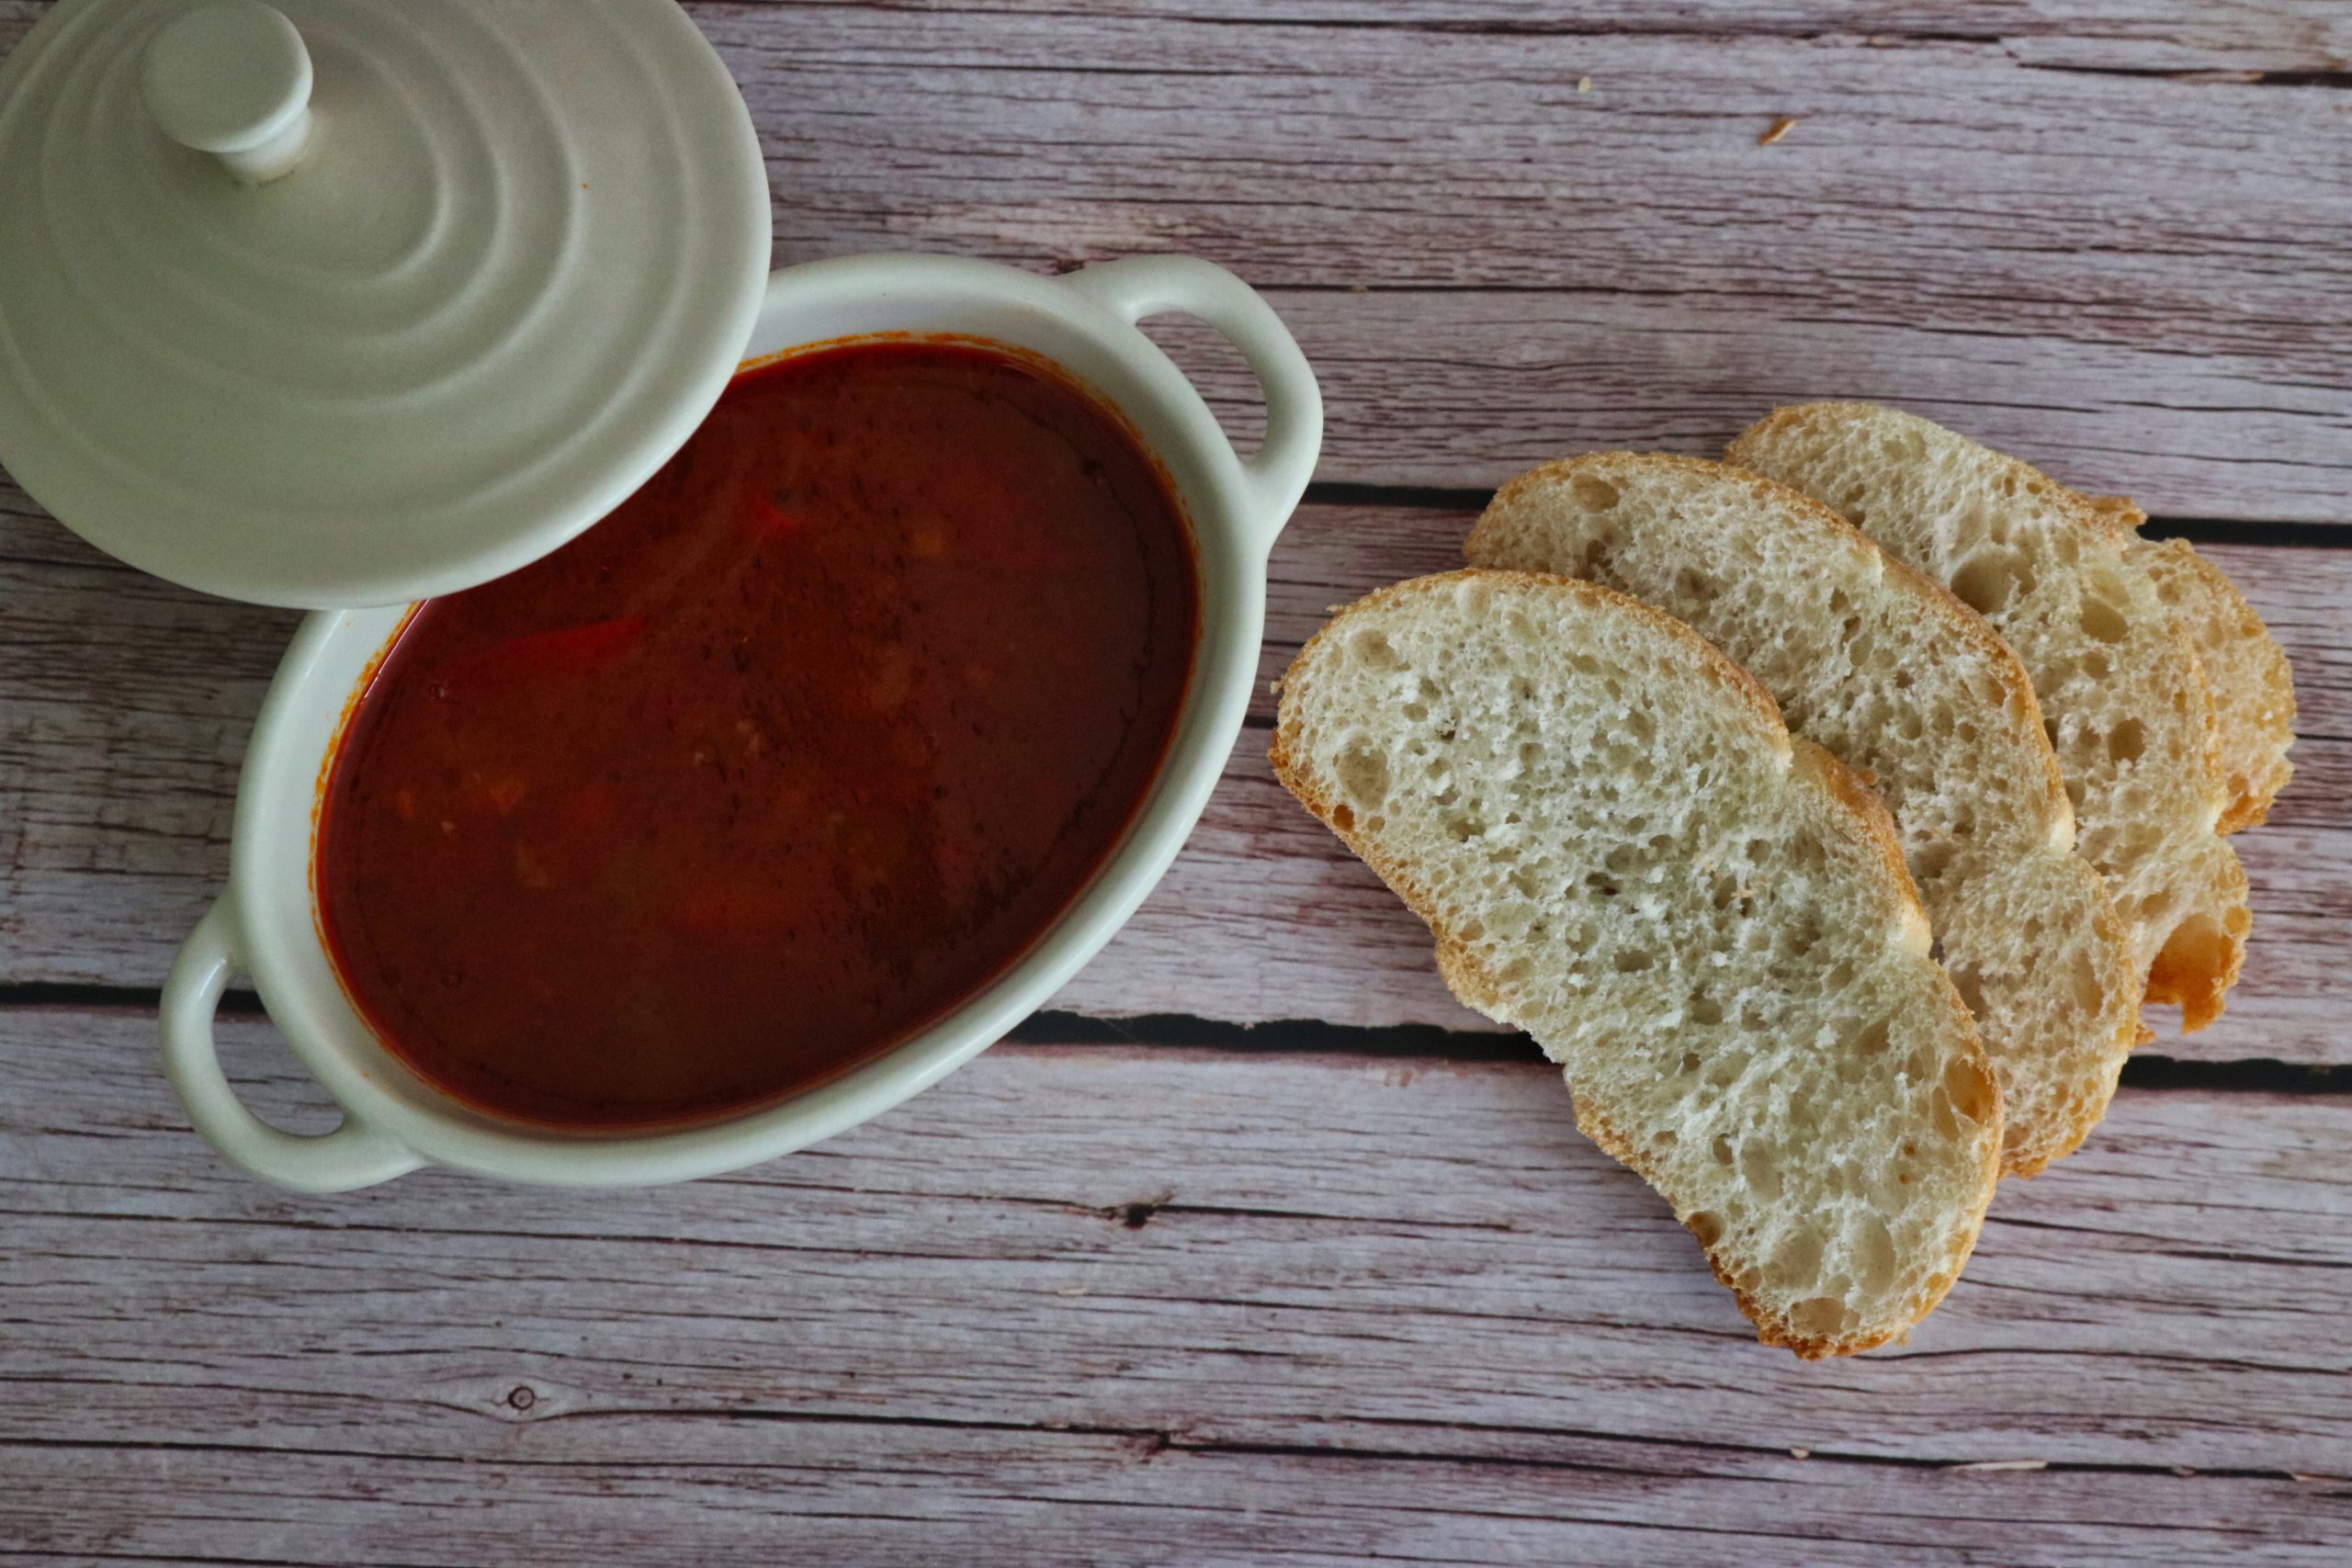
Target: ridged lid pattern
x,y
516,263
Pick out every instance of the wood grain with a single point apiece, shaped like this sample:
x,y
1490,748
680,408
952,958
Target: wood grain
x,y
125,704
2080,233
1103,1303
1132,1305
2047,237
2297,37
920,1497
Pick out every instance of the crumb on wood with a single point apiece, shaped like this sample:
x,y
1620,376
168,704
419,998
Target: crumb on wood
x,y
1778,129
1799,1453
1584,84
1987,1465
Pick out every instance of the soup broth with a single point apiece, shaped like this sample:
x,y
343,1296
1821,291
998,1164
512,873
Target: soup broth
x,y
807,741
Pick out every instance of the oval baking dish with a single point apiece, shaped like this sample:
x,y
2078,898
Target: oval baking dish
x,y
265,922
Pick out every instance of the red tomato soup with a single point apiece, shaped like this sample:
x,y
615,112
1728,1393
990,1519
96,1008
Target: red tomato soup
x,y
794,751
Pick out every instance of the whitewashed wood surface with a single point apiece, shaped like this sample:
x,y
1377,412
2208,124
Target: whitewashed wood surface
x,y
1116,1305
1259,1248
2078,238
128,702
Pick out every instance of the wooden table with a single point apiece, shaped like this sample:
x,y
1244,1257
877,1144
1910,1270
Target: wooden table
x,y
1255,1247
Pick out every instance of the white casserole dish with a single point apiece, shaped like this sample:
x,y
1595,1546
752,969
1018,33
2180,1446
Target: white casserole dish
x,y
265,922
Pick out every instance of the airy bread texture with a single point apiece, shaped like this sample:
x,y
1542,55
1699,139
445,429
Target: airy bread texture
x,y
2253,692
2121,688
1907,685
1620,848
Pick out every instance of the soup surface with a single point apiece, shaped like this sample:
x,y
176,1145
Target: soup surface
x,y
792,753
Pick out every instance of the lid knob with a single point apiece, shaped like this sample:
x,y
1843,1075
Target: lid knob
x,y
508,275
231,78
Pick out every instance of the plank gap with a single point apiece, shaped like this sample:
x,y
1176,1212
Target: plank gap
x,y
1300,1036
2197,530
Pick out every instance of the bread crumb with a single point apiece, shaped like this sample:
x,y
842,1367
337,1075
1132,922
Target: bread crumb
x,y
1584,84
1780,127
1799,1453
1993,1465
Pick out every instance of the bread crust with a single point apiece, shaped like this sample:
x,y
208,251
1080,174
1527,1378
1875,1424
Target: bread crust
x,y
2199,961
1512,530
1999,658
1463,974
2256,722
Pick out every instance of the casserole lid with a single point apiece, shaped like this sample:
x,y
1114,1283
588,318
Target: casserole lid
x,y
353,301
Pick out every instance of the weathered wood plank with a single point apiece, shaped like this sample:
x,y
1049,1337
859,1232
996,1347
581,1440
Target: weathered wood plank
x,y
836,1492
1130,1306
2132,277
2301,36
125,704
1367,1307
1448,387
2135,277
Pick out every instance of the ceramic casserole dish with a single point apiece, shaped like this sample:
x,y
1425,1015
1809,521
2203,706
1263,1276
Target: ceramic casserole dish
x,y
265,922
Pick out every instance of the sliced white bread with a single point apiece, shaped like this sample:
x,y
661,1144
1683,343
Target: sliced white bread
x,y
2121,690
2254,691
1908,686
1706,922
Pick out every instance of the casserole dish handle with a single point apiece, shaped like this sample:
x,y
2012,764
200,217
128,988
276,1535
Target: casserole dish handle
x,y
1274,476
352,1155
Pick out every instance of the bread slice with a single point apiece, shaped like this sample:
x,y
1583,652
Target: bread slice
x,y
2121,690
1908,686
2254,691
1620,849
